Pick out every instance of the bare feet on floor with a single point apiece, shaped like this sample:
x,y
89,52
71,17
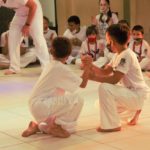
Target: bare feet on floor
x,y
32,129
134,120
50,127
99,129
9,72
58,131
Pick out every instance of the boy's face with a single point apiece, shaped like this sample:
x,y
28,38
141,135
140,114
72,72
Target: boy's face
x,y
137,35
72,26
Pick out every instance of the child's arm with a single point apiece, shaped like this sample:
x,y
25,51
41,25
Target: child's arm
x,y
85,77
86,73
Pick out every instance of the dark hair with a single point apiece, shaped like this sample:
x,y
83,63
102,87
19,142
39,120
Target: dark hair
x,y
91,29
74,19
138,28
120,33
124,22
45,18
108,1
61,47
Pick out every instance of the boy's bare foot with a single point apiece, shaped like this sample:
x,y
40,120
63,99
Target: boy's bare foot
x,y
134,120
50,127
99,129
9,72
44,127
47,125
58,131
32,129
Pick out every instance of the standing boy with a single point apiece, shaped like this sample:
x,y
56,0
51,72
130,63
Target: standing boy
x,y
28,19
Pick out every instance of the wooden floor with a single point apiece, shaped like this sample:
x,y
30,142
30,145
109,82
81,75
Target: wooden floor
x,y
15,116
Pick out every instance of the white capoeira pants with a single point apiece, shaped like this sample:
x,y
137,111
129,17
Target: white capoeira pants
x,y
65,108
25,60
36,32
110,96
28,57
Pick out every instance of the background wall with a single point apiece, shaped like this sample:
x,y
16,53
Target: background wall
x,y
140,15
6,16
84,9
49,10
136,11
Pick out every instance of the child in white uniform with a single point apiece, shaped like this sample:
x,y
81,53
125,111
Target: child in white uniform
x,y
27,54
49,34
140,47
93,47
123,68
54,103
105,18
76,34
28,19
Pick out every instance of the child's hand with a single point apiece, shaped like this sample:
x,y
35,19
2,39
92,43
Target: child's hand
x,y
109,69
25,30
76,42
85,75
86,60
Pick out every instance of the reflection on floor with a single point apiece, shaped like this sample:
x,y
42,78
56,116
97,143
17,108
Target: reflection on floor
x,y
15,116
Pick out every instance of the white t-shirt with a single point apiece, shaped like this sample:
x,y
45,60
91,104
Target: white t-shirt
x,y
127,63
81,35
93,48
55,80
49,35
102,27
143,49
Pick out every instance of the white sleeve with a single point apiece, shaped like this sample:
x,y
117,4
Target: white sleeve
x,y
114,18
124,64
97,17
54,34
147,49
